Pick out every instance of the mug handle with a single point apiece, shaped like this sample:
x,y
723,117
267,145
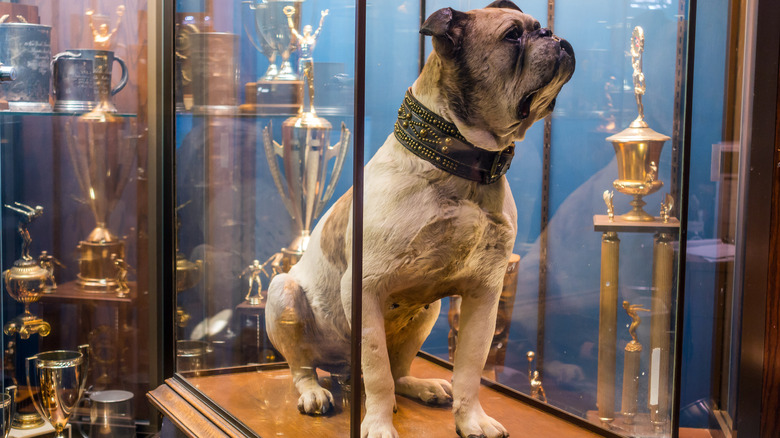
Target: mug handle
x,y
122,80
38,405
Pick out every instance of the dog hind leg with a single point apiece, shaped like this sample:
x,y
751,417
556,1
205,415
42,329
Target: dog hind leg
x,y
290,326
403,347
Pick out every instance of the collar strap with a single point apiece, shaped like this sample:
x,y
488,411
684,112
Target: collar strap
x,y
430,137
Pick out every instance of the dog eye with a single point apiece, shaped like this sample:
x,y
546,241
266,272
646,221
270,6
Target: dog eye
x,y
537,26
514,34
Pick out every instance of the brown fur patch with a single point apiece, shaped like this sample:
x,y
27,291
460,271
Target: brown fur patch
x,y
333,236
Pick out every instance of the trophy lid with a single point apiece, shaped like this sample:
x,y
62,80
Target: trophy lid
x,y
636,134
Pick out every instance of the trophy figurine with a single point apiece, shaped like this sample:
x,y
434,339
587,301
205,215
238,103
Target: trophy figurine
x,y
305,44
61,376
254,270
537,390
278,91
26,280
102,155
638,148
633,352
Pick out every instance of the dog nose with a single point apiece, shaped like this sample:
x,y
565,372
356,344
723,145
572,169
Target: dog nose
x,y
545,32
567,48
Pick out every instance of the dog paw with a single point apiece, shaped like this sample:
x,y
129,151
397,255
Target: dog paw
x,y
374,426
480,426
315,401
431,391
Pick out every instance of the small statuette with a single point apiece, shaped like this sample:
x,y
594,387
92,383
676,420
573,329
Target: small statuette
x,y
666,207
652,173
122,268
254,270
632,311
47,262
608,194
537,390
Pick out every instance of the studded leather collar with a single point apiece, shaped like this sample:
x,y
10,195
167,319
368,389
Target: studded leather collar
x,y
439,142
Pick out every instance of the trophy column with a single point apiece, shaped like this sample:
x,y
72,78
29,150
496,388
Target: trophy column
x,y
665,230
608,293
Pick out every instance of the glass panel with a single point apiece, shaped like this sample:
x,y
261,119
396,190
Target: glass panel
x,y
562,312
74,219
264,97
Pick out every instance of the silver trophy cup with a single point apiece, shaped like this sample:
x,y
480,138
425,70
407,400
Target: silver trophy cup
x,y
302,179
274,36
61,376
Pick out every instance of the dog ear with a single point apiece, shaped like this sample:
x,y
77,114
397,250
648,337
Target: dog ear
x,y
504,4
445,27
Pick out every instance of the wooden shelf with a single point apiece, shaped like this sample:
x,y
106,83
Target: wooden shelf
x,y
265,401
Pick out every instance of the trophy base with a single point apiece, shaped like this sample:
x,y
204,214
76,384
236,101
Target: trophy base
x,y
275,97
98,272
27,325
27,421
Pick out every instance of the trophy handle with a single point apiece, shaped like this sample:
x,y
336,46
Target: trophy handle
x,y
85,353
339,150
38,404
272,149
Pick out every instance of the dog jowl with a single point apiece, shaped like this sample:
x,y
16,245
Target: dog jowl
x,y
439,220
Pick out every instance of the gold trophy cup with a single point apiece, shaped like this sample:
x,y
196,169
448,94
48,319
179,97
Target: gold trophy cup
x,y
61,376
638,148
7,401
102,154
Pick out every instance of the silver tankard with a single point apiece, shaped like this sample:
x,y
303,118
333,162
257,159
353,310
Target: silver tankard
x,y
82,80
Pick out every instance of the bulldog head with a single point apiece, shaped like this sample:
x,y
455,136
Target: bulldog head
x,y
494,71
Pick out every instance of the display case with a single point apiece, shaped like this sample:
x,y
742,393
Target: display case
x,y
298,217
77,246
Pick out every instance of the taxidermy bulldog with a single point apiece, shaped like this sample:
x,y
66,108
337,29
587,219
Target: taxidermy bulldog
x,y
439,220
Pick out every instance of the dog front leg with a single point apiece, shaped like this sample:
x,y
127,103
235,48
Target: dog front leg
x,y
377,376
477,324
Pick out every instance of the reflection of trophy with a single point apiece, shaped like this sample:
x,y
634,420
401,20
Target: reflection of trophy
x,y
26,280
102,155
305,153
61,376
188,273
278,91
638,148
101,35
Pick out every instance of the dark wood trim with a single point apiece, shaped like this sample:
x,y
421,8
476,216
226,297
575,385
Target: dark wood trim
x,y
770,397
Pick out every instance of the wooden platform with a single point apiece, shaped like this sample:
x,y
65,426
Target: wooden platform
x,y
266,402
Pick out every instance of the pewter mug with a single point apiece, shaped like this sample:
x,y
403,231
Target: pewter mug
x,y
61,375
27,48
7,401
111,414
82,80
